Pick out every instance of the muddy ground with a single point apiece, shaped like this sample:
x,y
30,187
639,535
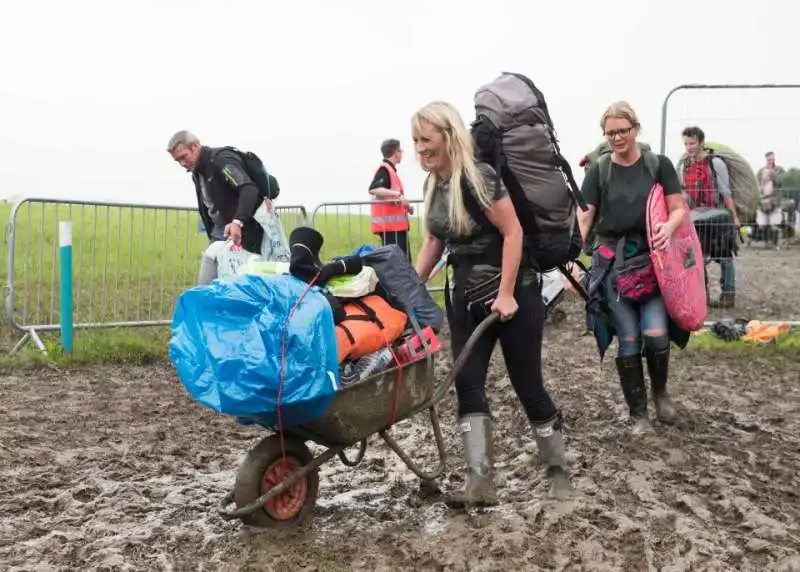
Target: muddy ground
x,y
117,469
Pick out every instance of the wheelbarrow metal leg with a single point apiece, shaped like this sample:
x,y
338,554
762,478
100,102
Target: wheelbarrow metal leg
x,y
362,449
437,432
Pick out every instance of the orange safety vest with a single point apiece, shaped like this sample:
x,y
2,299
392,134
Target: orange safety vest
x,y
389,217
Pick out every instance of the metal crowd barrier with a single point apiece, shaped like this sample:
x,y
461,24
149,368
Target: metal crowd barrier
x,y
130,262
746,267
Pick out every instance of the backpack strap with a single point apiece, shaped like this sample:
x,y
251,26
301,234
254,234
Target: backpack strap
x,y
473,207
717,195
494,254
651,162
263,193
370,316
604,167
218,168
218,150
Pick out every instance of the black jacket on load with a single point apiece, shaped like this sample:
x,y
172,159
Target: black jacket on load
x,y
231,190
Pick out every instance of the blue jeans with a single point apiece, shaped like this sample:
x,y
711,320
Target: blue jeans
x,y
638,323
727,278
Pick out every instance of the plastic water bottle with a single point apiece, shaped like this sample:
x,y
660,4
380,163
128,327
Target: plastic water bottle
x,y
373,363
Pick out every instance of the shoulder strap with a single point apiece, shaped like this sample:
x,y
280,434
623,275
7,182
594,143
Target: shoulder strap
x,y
652,163
604,168
218,150
257,172
711,167
213,158
371,315
718,200
473,207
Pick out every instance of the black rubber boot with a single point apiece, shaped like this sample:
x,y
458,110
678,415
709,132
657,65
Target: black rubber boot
x,y
727,300
550,441
658,370
631,377
479,488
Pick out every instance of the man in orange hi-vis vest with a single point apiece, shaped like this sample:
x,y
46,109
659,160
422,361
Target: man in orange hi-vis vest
x,y
390,219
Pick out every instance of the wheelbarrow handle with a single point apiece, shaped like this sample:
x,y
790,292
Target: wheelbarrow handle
x,y
445,386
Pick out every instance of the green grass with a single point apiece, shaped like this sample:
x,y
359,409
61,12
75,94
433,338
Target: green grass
x,y
708,342
136,346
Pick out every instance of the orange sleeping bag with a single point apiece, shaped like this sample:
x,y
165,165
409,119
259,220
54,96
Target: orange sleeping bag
x,y
371,324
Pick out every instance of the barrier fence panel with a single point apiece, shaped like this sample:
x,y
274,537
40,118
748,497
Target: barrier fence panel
x,y
346,226
752,272
130,262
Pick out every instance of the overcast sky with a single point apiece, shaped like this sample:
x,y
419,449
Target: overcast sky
x,y
92,90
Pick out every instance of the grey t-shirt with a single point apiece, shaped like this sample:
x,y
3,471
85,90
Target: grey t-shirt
x,y
437,218
476,240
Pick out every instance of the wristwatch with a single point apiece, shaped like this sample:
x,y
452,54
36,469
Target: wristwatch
x,y
236,221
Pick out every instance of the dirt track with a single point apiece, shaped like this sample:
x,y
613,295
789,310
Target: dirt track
x,y
117,469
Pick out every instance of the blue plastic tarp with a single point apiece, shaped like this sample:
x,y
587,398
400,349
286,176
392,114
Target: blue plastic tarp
x,y
227,344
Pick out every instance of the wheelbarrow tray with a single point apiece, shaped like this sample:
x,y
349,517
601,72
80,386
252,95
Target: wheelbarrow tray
x,y
366,407
357,412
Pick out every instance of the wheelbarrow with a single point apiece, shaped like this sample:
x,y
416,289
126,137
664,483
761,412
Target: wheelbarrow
x,y
278,481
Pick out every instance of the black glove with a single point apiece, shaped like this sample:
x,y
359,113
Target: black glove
x,y
729,330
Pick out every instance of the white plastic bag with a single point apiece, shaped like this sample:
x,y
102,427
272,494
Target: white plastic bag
x,y
356,286
231,259
274,245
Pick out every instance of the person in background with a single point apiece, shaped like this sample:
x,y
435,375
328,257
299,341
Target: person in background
x,y
390,219
490,276
769,216
617,216
797,219
227,197
706,182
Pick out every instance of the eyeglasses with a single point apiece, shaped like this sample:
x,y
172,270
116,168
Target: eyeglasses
x,y
624,132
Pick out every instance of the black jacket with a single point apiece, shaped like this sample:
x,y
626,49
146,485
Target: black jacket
x,y
232,191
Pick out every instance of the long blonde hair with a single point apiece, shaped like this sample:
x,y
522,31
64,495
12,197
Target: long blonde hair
x,y
445,118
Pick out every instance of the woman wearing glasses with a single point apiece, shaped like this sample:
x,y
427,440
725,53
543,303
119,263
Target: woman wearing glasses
x,y
625,297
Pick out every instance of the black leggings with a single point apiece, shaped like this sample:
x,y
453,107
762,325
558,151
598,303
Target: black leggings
x,y
521,341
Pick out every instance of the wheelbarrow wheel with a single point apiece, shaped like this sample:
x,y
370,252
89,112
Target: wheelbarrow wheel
x,y
265,467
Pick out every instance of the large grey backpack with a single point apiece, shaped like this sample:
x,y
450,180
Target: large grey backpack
x,y
514,133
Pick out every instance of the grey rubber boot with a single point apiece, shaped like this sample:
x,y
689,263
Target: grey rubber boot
x,y
631,377
658,370
550,441
479,488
